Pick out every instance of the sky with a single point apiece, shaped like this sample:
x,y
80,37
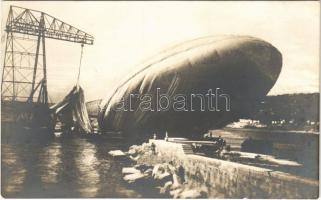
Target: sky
x,y
127,33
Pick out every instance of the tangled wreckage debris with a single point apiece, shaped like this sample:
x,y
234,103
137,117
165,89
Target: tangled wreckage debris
x,y
72,113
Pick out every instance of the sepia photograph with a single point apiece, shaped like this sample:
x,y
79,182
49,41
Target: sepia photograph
x,y
160,99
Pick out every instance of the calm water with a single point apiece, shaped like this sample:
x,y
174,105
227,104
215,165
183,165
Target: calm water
x,y
80,167
62,167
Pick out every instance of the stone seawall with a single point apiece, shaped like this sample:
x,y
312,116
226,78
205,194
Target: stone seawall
x,y
226,179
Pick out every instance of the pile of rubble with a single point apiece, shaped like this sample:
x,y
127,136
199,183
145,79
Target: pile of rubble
x,y
170,181
167,179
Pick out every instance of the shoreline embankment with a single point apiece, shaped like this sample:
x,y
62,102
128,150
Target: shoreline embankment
x,y
186,175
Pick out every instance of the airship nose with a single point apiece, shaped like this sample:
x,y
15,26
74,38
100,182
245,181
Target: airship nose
x,y
275,64
266,57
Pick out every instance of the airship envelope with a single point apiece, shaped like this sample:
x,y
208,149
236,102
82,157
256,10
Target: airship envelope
x,y
190,88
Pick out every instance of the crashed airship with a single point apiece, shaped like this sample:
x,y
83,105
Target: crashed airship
x,y
190,88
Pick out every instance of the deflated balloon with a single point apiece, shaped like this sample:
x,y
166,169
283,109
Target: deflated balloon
x,y
190,88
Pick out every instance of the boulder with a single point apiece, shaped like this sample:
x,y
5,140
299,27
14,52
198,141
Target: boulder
x,y
159,169
166,188
163,176
190,194
176,181
148,172
134,158
193,193
130,170
134,178
143,167
176,193
133,150
117,154
146,146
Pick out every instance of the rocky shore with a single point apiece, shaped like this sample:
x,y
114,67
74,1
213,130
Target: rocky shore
x,y
161,176
166,170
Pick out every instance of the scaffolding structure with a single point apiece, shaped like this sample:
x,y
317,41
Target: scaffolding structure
x,y
24,75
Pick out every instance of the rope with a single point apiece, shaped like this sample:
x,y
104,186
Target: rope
x,y
81,54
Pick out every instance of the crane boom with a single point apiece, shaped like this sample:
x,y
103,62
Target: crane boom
x,y
28,21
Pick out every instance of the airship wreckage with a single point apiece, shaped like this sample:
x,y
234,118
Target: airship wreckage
x,y
238,71
185,90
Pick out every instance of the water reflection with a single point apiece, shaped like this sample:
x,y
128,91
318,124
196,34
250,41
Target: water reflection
x,y
50,163
62,168
86,164
13,174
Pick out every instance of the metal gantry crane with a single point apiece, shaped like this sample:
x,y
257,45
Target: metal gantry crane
x,y
24,76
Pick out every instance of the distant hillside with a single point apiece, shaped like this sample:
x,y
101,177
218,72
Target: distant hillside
x,y
293,110
297,107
